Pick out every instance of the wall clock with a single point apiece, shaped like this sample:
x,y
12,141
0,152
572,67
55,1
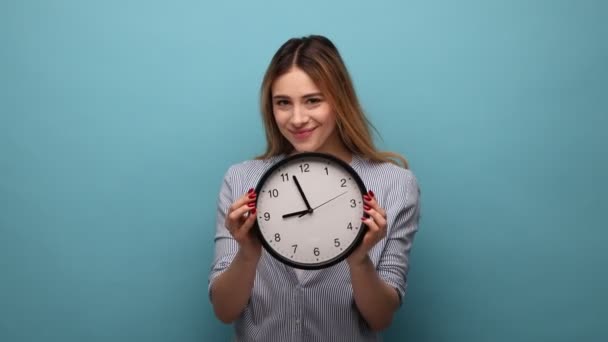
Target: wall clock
x,y
309,210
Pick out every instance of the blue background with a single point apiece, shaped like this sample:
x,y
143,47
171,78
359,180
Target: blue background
x,y
118,120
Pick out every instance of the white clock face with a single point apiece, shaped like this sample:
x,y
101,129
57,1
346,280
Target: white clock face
x,y
318,233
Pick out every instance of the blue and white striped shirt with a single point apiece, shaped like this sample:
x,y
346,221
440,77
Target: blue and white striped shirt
x,y
321,306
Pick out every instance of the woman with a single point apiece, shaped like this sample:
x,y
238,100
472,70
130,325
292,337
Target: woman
x,y
309,103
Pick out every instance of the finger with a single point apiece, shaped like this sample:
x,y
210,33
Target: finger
x,y
249,197
378,218
370,200
236,216
246,199
373,228
375,233
246,227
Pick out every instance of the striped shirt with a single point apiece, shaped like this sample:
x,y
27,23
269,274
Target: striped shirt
x,y
318,305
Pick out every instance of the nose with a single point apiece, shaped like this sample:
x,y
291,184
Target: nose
x,y
299,117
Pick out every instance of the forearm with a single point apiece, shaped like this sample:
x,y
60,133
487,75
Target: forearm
x,y
376,300
231,290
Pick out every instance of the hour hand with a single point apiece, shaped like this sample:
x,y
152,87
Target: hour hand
x,y
301,212
302,194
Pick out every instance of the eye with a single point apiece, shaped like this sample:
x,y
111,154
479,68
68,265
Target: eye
x,y
282,102
314,100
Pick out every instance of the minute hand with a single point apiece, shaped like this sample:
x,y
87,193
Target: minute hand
x,y
324,203
302,194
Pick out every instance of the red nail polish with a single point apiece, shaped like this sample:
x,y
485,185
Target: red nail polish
x,y
252,196
253,211
251,205
363,218
366,207
250,191
371,193
367,198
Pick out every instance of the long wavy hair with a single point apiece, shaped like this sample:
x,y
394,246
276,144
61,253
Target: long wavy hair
x,y
318,57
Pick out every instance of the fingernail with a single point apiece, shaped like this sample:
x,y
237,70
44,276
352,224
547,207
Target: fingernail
x,y
367,198
253,211
371,193
363,218
252,195
250,191
366,207
251,205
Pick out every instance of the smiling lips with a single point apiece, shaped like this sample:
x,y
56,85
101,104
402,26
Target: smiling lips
x,y
303,133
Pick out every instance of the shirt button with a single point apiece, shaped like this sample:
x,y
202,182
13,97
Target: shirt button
x,y
297,321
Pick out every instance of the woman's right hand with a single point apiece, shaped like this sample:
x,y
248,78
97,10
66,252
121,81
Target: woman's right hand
x,y
239,221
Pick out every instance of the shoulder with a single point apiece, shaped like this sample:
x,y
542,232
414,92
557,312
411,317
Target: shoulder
x,y
389,178
245,174
250,166
388,172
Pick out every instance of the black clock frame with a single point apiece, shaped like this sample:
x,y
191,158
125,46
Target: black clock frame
x,y
362,228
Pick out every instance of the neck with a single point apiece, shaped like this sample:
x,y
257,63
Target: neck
x,y
336,147
342,153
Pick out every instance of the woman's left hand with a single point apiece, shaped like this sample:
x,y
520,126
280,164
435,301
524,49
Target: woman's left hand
x,y
376,224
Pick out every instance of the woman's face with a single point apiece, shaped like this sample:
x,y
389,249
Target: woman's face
x,y
303,114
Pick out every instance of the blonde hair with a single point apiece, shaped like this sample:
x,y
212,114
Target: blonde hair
x,y
319,58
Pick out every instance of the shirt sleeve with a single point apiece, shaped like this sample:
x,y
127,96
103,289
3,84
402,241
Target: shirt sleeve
x,y
403,217
225,245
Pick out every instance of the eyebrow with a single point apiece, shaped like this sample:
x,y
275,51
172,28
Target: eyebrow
x,y
279,96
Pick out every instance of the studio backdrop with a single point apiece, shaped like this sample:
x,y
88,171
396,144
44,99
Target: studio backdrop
x,y
118,120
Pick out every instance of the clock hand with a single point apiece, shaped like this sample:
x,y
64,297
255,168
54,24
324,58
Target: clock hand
x,y
302,194
324,203
296,213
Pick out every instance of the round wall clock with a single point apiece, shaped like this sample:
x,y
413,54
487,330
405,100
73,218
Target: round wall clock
x,y
309,210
